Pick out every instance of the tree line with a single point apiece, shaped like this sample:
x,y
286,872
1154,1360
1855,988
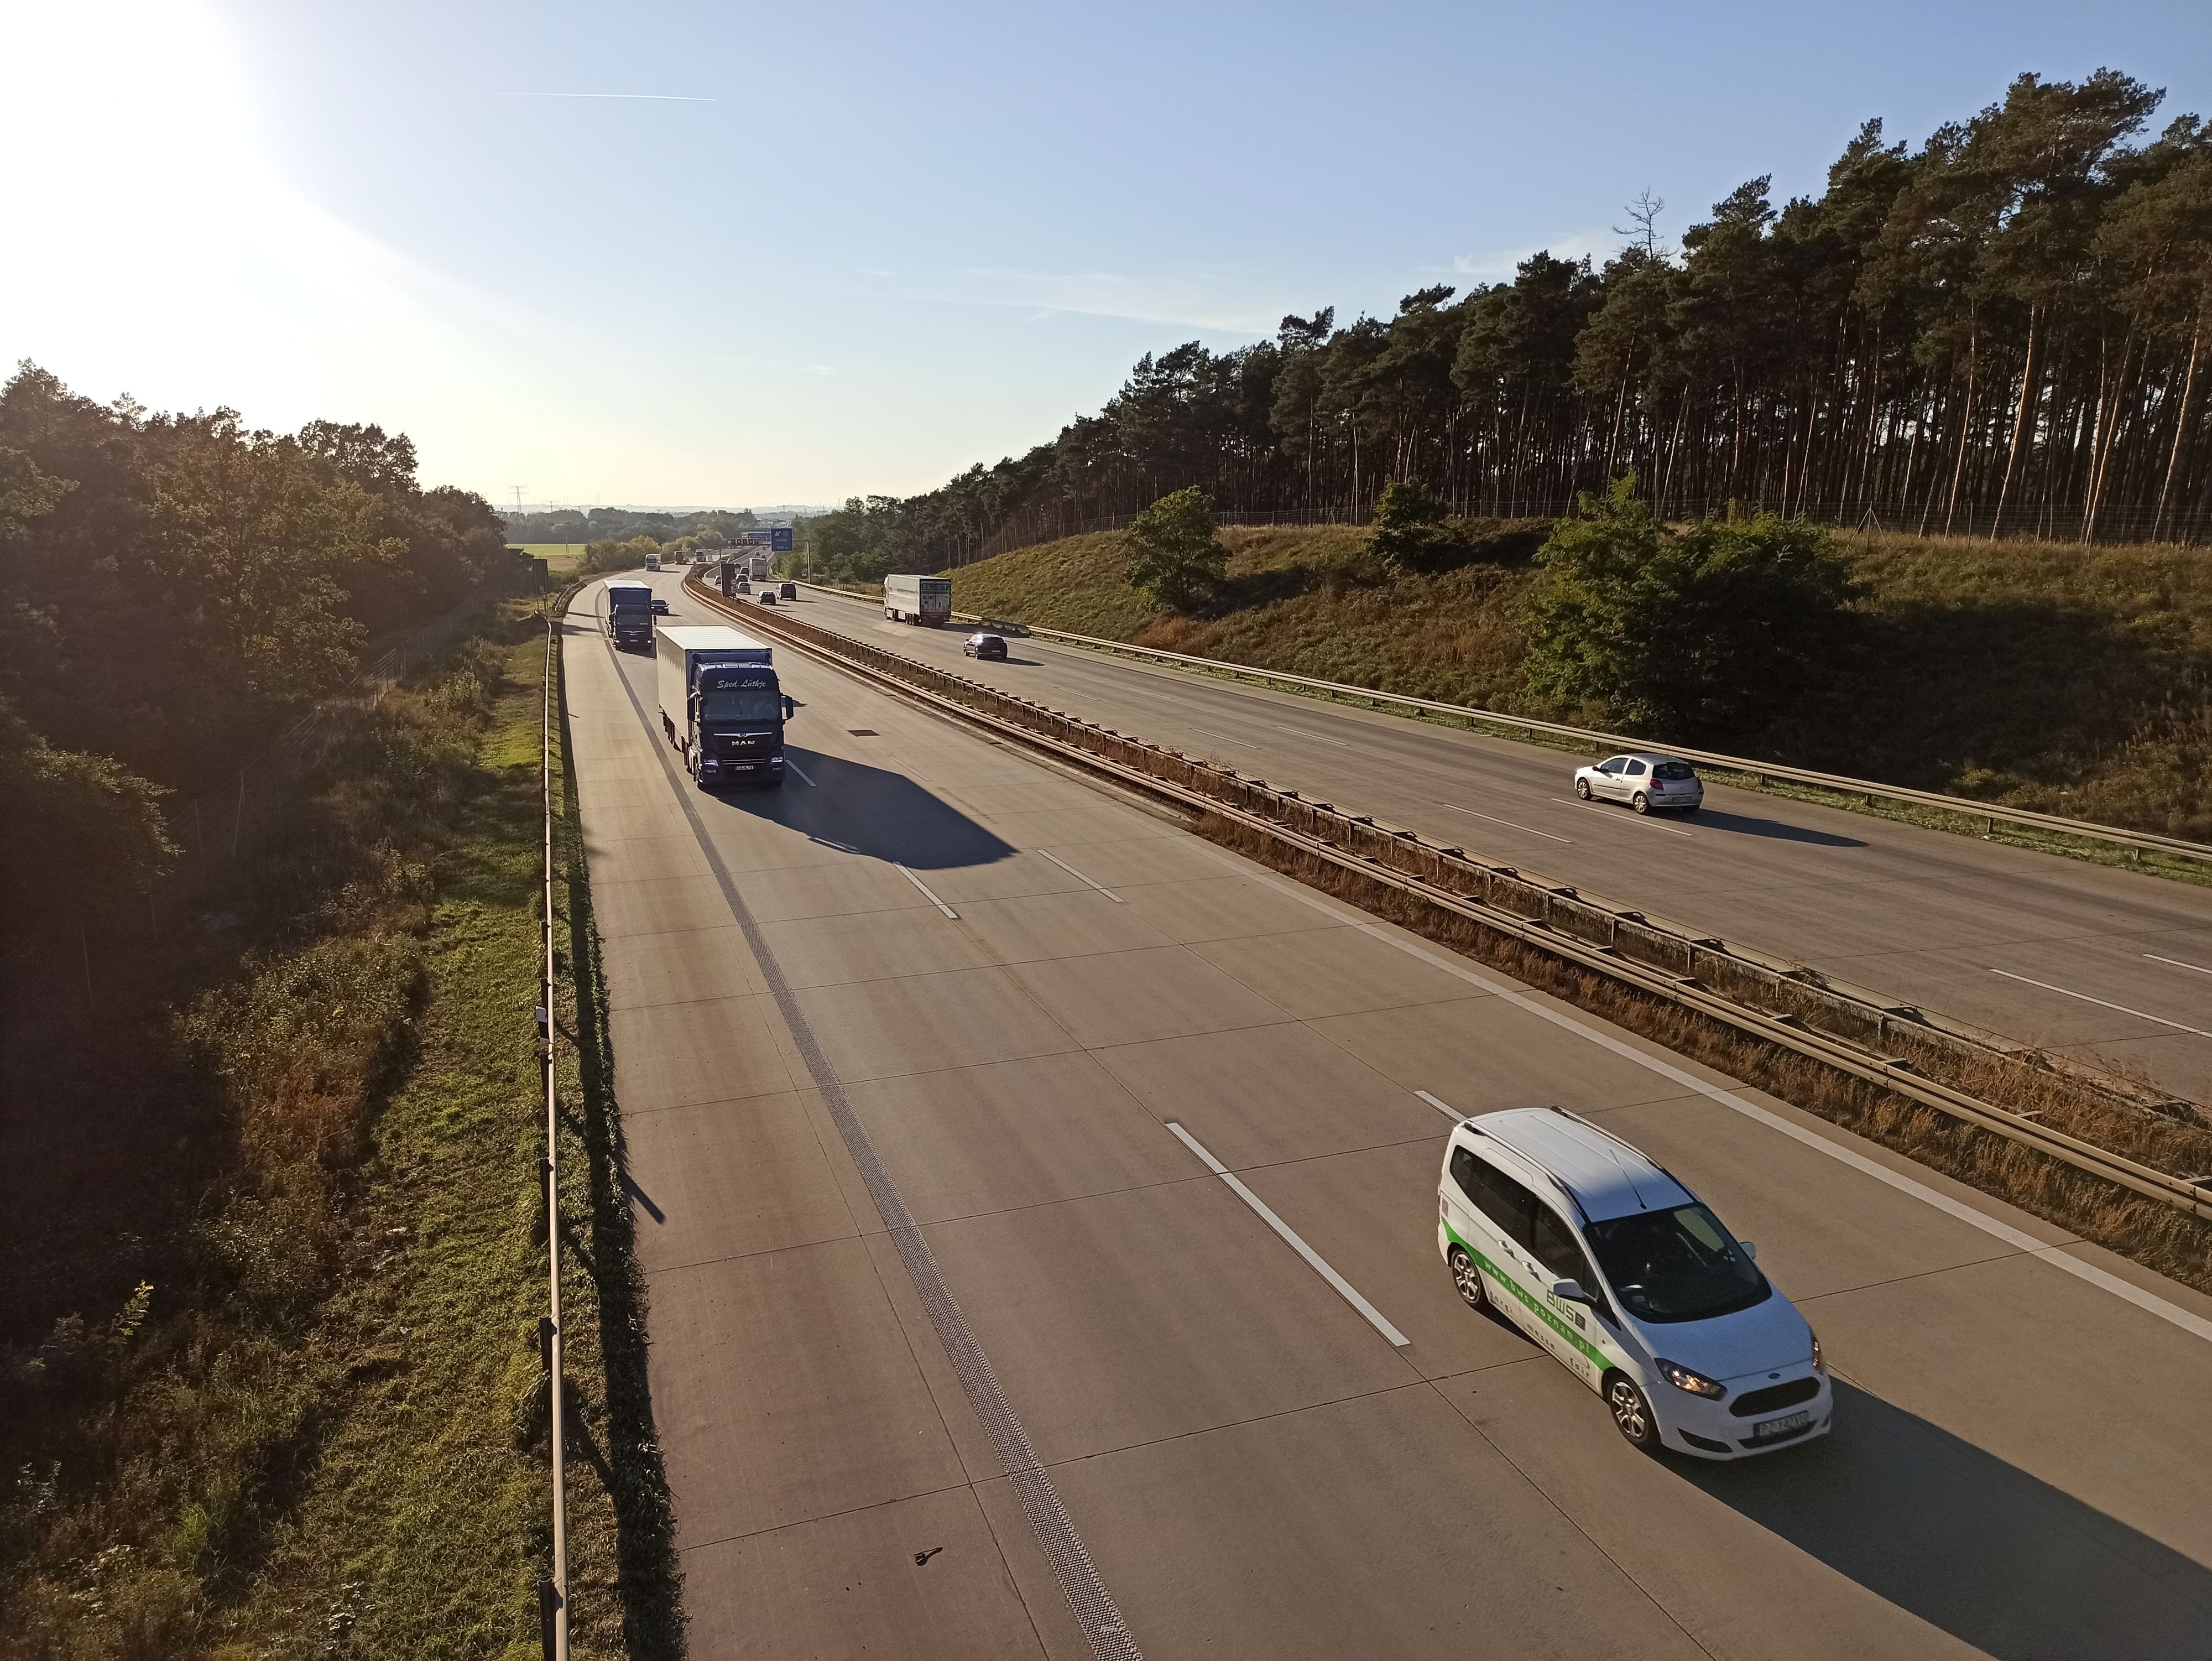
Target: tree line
x,y
174,589
2003,331
623,524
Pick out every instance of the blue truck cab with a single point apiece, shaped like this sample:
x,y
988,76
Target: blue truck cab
x,y
722,706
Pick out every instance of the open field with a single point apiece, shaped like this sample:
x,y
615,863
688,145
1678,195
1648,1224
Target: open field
x,y
2067,679
561,558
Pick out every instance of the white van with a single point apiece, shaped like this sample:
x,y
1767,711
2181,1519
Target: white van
x,y
1615,1268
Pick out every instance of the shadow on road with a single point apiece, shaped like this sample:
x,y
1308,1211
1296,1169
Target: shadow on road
x,y
1774,830
872,811
1994,1556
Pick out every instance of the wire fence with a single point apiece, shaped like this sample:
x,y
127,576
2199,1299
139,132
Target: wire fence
x,y
2186,524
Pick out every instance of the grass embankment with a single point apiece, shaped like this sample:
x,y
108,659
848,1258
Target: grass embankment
x,y
561,558
317,1427
2045,676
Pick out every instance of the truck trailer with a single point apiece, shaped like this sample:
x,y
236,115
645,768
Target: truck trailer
x,y
629,614
722,706
918,600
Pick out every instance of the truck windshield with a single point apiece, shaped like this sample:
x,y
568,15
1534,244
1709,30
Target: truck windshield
x,y
1678,1265
719,703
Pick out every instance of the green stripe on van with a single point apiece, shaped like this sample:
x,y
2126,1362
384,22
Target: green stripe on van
x,y
1598,1357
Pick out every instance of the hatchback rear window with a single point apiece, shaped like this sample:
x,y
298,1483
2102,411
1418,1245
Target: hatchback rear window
x,y
1673,770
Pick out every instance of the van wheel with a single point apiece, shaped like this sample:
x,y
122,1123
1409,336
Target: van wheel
x,y
1640,802
1583,789
1467,1275
1631,1413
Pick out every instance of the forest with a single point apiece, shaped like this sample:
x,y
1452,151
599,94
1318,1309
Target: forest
x,y
172,589
1999,333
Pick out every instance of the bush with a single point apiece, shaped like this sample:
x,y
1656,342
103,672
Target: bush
x,y
1174,554
1701,635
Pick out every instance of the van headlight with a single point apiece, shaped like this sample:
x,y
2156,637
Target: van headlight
x,y
1696,1382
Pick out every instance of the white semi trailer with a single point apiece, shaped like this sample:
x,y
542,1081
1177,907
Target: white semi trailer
x,y
918,600
722,706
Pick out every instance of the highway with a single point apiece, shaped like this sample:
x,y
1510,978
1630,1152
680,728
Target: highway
x,y
913,1059
2048,950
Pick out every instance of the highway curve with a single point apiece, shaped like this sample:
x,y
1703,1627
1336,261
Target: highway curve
x,y
897,1048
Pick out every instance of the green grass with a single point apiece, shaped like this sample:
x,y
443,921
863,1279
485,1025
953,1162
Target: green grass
x,y
322,1432
2050,677
561,558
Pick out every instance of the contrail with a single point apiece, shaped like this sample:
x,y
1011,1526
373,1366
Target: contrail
x,y
654,97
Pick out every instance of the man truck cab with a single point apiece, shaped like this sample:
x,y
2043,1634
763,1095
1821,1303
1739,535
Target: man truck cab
x,y
721,707
1607,1261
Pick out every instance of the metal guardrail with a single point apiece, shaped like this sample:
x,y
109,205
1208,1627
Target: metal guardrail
x,y
1759,771
553,1590
1805,1014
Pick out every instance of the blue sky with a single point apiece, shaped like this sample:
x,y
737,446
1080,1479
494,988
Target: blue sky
x,y
819,249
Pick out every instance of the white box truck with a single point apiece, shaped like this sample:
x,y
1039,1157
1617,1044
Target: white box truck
x,y
722,706
918,600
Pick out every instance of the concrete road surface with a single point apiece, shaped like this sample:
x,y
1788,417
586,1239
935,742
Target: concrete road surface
x,y
898,1049
2046,950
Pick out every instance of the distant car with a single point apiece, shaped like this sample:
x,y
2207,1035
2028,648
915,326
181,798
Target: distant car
x,y
1644,781
788,590
767,595
980,646
743,586
660,606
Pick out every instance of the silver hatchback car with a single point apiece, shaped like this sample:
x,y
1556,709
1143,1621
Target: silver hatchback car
x,y
1643,780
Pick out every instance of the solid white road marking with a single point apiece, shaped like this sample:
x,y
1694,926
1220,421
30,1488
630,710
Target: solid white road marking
x,y
1592,807
1079,876
1444,1108
2056,1256
2123,1009
924,886
797,768
1508,824
2178,963
1314,1259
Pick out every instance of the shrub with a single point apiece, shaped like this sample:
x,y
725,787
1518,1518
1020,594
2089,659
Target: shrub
x,y
1174,554
1697,634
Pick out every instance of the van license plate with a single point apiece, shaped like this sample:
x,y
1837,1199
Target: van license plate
x,y
1780,1426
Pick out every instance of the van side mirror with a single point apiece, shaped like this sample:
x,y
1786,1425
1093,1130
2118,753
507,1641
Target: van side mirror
x,y
1570,1291
1749,1249
789,707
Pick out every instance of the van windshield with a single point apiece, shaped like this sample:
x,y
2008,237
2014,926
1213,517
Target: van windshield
x,y
1678,1265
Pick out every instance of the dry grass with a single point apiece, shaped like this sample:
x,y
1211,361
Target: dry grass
x,y
2146,1230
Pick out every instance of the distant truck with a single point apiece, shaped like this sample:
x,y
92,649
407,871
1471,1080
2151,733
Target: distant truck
x,y
722,706
925,600
652,561
629,615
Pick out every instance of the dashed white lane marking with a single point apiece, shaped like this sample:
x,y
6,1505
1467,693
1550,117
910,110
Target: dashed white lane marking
x,y
795,768
1508,824
2139,1015
924,886
1444,1108
1593,807
1315,738
2178,963
1314,1259
2056,1256
1079,876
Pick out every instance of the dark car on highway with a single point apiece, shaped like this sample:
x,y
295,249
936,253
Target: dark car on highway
x,y
984,646
789,590
659,607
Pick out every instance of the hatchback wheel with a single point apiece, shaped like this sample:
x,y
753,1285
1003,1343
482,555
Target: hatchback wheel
x,y
1640,802
1583,789
1631,1413
1467,1275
